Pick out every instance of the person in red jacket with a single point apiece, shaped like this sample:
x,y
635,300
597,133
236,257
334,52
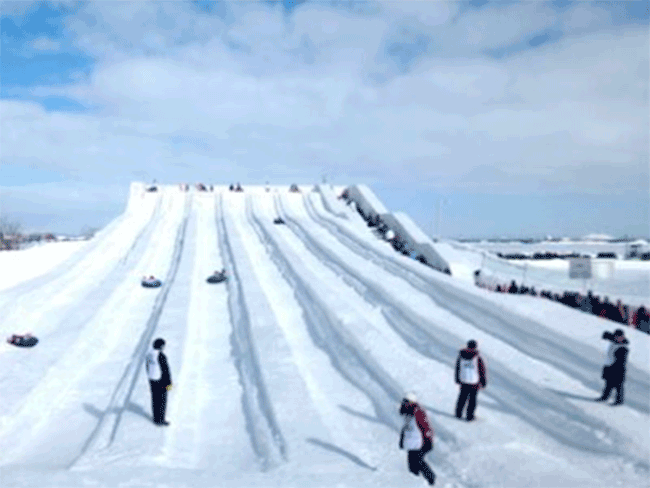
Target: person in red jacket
x,y
470,375
416,437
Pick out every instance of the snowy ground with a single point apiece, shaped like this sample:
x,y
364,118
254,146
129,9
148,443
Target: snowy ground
x,y
627,280
290,373
20,266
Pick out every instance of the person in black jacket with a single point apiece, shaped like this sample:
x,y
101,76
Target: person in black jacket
x,y
160,380
470,375
614,369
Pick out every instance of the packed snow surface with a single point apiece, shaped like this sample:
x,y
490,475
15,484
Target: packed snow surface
x,y
20,266
290,373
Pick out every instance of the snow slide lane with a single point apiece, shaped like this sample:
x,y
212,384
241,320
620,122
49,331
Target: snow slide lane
x,y
138,441
290,389
109,422
261,422
207,429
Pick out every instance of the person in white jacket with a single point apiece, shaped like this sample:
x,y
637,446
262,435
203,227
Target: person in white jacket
x,y
471,376
416,437
160,380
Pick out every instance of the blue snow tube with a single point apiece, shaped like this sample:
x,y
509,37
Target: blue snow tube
x,y
151,284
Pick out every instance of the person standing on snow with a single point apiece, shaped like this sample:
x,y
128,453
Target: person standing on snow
x,y
614,369
159,379
416,437
470,375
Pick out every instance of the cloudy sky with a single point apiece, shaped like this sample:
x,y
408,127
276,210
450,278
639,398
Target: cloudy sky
x,y
524,118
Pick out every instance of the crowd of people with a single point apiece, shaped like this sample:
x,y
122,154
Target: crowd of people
x,y
636,317
202,187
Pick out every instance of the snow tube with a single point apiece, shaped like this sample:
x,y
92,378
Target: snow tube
x,y
151,284
216,279
22,341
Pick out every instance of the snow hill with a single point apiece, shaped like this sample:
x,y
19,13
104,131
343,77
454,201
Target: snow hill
x,y
290,373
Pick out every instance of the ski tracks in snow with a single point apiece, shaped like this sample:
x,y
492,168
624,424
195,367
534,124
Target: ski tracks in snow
x,y
104,433
262,425
330,332
207,430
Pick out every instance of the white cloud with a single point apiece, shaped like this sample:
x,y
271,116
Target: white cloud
x,y
45,44
111,29
586,15
204,108
492,28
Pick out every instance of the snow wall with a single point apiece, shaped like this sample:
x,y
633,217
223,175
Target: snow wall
x,y
400,223
331,202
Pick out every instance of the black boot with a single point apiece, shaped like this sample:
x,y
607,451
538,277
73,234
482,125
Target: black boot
x,y
432,479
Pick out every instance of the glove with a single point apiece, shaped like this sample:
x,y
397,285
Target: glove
x,y
169,387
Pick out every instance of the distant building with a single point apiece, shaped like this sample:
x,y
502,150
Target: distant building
x,y
636,249
597,238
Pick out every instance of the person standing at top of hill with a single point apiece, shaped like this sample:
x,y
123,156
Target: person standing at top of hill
x,y
416,437
470,375
615,364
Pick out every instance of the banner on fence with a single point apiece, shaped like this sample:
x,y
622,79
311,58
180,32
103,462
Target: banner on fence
x,y
580,268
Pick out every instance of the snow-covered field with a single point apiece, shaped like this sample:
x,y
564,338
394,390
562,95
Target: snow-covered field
x,y
627,280
290,373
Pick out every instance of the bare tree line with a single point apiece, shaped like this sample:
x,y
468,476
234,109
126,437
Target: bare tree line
x,y
9,232
12,238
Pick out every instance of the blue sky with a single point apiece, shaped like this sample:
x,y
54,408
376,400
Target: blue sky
x,y
528,118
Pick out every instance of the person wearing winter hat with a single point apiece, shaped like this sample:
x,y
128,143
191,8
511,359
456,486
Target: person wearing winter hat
x,y
160,380
614,368
470,375
416,437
